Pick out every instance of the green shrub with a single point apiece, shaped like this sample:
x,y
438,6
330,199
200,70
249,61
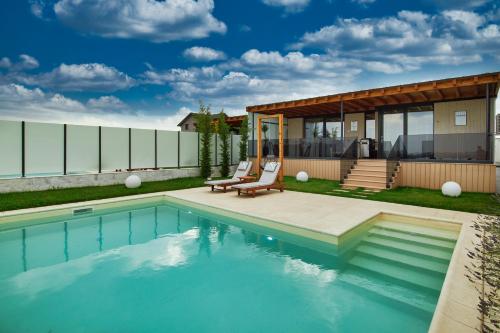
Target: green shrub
x,y
204,127
223,130
244,139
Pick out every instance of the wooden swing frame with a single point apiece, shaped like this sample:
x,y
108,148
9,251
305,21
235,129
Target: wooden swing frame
x,y
280,143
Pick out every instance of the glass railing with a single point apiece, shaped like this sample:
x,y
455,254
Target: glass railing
x,y
441,147
320,148
460,147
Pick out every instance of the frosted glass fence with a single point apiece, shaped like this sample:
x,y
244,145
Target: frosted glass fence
x,y
29,149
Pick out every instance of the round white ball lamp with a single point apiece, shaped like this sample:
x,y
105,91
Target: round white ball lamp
x,y
302,176
133,181
451,189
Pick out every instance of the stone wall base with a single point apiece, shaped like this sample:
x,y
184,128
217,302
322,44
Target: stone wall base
x,y
101,179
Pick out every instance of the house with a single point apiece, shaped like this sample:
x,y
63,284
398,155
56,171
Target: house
x,y
418,135
188,124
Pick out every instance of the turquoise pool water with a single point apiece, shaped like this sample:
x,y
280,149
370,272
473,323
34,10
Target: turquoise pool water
x,y
170,268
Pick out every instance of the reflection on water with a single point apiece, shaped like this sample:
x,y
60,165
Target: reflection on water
x,y
62,241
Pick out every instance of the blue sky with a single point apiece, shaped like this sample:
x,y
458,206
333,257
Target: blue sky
x,y
147,63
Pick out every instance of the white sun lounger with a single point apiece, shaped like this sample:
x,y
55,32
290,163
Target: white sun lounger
x,y
267,180
242,170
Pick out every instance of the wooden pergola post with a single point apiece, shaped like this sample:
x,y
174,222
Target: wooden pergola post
x,y
280,142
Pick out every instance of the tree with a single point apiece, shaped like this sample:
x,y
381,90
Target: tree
x,y
223,130
204,127
243,139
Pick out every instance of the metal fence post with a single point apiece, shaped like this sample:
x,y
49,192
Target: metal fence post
x,y
100,149
23,149
130,149
65,145
178,150
156,149
198,148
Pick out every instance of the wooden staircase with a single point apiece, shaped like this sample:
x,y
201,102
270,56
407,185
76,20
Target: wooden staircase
x,y
371,174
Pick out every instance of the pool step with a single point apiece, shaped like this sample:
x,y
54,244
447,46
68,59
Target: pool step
x,y
419,230
396,245
411,237
380,288
399,273
415,262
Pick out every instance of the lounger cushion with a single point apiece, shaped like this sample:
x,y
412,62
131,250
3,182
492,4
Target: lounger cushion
x,y
243,166
271,166
222,182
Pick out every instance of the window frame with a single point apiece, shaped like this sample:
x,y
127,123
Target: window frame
x,y
461,114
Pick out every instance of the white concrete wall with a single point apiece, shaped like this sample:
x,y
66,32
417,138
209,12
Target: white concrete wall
x,y
102,179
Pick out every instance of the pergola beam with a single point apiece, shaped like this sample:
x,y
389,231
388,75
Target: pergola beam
x,y
422,89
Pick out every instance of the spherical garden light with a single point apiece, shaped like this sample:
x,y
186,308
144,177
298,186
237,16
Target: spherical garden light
x,y
133,181
302,176
451,189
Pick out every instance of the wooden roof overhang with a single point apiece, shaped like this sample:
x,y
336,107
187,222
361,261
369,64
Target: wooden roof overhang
x,y
466,87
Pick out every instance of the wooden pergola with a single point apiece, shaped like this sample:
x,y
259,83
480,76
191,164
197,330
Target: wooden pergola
x,y
465,87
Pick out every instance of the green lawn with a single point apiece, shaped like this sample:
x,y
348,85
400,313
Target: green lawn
x,y
10,201
467,202
483,203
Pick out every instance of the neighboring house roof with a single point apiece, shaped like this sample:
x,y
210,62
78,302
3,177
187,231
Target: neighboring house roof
x,y
231,120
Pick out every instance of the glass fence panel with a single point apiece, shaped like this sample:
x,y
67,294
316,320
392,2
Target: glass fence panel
x,y
167,149
235,149
219,150
44,149
82,149
10,149
143,148
114,149
188,149
443,147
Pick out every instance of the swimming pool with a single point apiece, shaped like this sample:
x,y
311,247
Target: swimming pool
x,y
163,266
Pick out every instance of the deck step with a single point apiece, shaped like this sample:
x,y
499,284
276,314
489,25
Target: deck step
x,y
450,235
372,162
440,254
410,237
370,168
358,177
357,184
396,272
404,259
368,173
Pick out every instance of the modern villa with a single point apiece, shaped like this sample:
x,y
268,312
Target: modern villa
x,y
415,135
337,240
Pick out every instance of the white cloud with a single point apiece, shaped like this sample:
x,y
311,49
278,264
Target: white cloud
x,y
26,62
408,39
79,77
363,2
200,53
156,21
5,63
107,103
290,6
18,102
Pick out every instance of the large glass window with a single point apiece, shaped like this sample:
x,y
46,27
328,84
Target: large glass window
x,y
333,128
314,128
420,120
393,127
370,125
